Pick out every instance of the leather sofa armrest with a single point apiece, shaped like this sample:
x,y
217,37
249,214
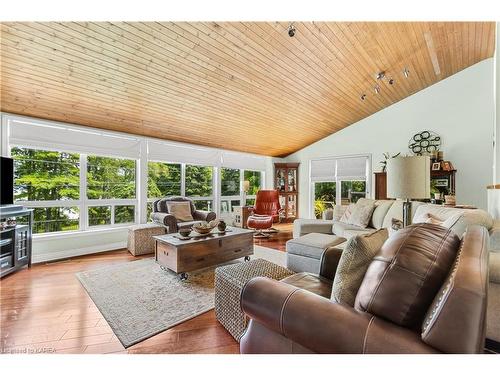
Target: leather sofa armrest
x,y
204,215
168,220
329,262
323,326
494,267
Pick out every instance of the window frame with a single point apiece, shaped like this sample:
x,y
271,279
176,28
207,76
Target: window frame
x,y
339,179
84,203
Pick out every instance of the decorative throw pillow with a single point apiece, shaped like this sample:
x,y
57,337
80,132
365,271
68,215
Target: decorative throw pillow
x,y
347,214
180,210
354,261
338,211
362,213
396,225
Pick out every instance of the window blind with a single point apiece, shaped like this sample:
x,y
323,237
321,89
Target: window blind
x,y
344,167
323,170
353,167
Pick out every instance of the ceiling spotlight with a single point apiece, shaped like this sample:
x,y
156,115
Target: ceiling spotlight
x,y
291,30
391,81
406,72
363,97
380,75
376,88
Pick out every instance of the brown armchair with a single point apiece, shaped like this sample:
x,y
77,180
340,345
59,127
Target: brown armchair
x,y
160,214
287,318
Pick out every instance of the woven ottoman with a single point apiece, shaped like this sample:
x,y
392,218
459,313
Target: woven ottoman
x,y
140,238
229,281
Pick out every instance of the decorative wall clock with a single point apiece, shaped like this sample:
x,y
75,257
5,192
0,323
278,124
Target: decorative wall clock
x,y
424,142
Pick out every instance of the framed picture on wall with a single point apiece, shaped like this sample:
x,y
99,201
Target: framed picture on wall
x,y
436,166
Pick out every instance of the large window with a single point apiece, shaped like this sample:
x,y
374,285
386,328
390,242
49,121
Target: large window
x,y
255,180
230,180
340,180
164,179
199,186
324,197
50,182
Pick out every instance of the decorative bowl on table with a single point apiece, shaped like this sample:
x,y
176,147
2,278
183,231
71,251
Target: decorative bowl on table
x,y
204,227
185,232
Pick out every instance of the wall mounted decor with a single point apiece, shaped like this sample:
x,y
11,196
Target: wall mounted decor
x,y
424,142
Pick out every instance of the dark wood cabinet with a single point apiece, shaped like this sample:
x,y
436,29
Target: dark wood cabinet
x,y
15,242
444,181
286,181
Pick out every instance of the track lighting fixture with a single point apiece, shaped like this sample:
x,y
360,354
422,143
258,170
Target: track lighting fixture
x,y
380,76
291,30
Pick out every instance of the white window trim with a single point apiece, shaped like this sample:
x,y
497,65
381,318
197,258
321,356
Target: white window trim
x,y
141,199
338,180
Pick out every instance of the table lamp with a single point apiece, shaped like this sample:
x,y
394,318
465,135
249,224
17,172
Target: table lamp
x,y
408,177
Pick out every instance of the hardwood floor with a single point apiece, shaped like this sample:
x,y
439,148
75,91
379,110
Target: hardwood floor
x,y
45,310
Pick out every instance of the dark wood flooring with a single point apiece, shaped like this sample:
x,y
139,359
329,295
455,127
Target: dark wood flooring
x,y
45,310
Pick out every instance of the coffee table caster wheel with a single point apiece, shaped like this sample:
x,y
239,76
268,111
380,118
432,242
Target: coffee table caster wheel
x,y
184,276
247,258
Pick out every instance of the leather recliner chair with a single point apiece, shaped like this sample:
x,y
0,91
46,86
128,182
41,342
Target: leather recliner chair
x,y
395,311
160,214
265,212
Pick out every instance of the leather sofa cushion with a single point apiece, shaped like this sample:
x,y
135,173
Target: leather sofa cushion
x,y
354,261
312,245
310,282
410,268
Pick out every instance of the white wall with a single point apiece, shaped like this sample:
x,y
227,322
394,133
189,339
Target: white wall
x,y
460,108
497,106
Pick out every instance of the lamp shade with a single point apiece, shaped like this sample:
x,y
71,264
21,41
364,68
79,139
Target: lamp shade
x,y
409,177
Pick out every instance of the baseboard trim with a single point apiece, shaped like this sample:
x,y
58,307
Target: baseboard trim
x,y
64,254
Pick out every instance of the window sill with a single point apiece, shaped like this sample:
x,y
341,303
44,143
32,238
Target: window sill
x,y
79,233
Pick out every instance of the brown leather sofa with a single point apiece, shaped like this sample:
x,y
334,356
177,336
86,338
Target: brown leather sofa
x,y
424,292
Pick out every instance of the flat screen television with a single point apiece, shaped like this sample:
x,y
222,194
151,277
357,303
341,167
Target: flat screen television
x,y
7,181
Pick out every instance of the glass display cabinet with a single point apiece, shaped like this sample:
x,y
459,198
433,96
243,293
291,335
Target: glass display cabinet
x,y
286,180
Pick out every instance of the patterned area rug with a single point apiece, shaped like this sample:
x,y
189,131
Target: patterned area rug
x,y
139,300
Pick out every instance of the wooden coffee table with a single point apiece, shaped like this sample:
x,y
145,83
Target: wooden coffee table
x,y
183,256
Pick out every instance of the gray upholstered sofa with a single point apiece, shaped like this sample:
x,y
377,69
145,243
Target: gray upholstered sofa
x,y
314,240
160,214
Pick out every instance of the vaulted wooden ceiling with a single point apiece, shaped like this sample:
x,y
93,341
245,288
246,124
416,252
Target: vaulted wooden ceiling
x,y
241,86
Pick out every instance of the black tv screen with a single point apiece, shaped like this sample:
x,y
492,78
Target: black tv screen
x,y
7,181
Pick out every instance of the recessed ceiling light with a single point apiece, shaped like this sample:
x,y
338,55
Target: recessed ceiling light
x,y
376,88
406,72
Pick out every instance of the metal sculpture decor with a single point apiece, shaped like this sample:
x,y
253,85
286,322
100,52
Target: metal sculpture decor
x,y
424,142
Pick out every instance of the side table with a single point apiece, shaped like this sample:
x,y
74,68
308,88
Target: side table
x,y
229,282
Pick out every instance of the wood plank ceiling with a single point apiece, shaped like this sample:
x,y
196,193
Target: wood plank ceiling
x,y
241,86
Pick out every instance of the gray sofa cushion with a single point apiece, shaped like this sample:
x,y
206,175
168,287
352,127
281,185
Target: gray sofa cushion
x,y
381,208
341,229
362,212
312,245
305,226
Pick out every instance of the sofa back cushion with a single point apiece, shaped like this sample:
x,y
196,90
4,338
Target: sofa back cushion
x,y
456,219
354,261
362,212
403,278
396,212
379,213
347,214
